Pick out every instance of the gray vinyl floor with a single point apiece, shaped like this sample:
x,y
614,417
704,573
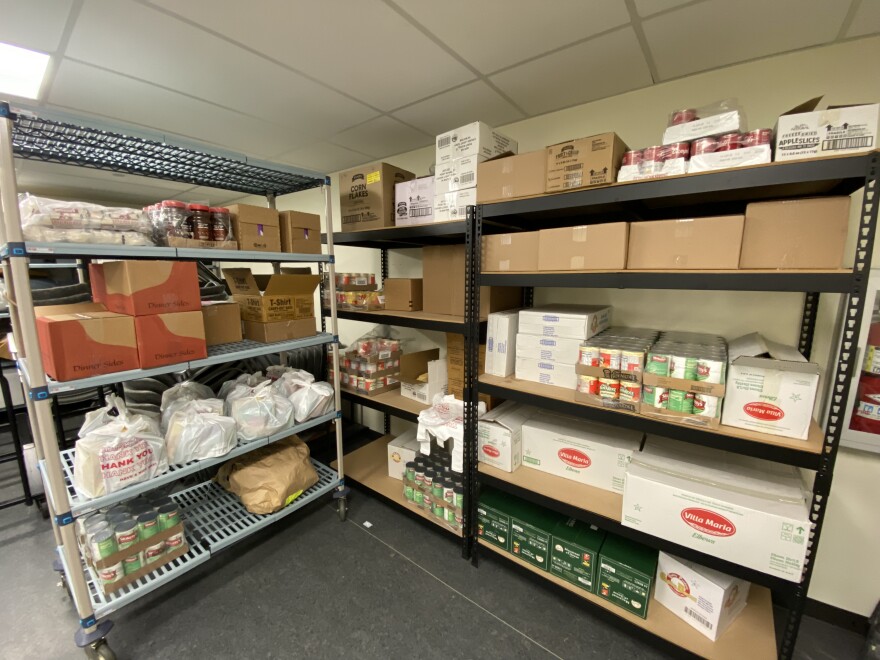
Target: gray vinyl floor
x,y
380,585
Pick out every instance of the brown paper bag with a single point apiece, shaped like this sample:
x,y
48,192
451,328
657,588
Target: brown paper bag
x,y
265,478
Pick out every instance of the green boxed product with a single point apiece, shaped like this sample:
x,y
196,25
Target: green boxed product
x,y
493,522
574,552
530,530
626,573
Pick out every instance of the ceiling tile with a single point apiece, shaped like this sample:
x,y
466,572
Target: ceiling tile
x,y
364,48
323,157
207,67
651,7
867,19
472,102
751,29
492,34
382,137
578,74
34,25
84,88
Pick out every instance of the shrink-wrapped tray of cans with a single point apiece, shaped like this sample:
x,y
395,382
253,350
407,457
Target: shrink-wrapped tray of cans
x,y
371,366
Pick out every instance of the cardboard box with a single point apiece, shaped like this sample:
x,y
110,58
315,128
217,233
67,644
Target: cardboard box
x,y
96,279
599,401
84,340
795,233
626,574
493,522
530,527
222,322
453,206
403,294
771,388
456,174
499,433
300,232
693,243
455,356
474,139
501,336
268,333
366,195
554,349
515,252
706,599
586,452
138,288
574,552
413,365
567,321
745,510
414,201
760,154
546,372
590,161
170,338
834,132
255,227
273,297
401,450
443,268
588,247
512,177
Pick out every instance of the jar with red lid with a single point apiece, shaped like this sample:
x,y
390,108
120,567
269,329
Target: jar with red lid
x,y
221,228
653,154
175,219
757,137
684,116
729,141
633,157
201,222
706,145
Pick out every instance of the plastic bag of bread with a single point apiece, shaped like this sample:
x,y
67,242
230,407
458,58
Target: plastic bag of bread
x,y
126,450
271,477
313,400
291,381
251,380
258,411
198,430
177,396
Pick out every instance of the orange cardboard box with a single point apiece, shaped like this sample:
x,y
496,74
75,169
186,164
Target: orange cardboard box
x,y
139,288
99,287
170,338
79,341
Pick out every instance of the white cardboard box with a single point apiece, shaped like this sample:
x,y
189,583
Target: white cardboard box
x,y
771,388
546,372
438,382
557,349
500,343
456,174
474,139
722,160
832,132
500,435
567,321
401,450
453,206
592,454
747,511
729,121
414,201
705,598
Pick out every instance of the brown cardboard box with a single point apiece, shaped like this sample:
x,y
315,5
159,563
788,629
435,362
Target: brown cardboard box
x,y
96,278
695,243
255,227
795,233
366,195
403,295
222,322
300,232
443,287
512,177
138,288
590,161
83,340
455,357
170,338
280,298
517,252
279,330
588,247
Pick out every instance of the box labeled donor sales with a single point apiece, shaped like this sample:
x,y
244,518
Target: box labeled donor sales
x,y
170,338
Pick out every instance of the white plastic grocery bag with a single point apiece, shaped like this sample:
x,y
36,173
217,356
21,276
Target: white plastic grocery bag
x,y
258,411
313,400
177,396
198,430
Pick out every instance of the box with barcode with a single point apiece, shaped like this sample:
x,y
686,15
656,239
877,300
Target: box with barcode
x,y
456,174
474,139
453,205
626,574
706,599
591,161
414,202
832,132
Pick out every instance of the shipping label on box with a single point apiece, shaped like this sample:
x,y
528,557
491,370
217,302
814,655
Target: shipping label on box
x,y
474,139
626,573
567,321
453,205
280,298
501,343
401,450
500,435
456,174
555,349
547,372
414,201
832,132
574,552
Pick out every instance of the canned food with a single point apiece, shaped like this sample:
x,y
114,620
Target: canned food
x,y
656,397
459,498
154,552
168,516
428,481
419,498
684,116
437,489
371,384
148,524
632,157
449,492
756,137
677,150
450,517
710,371
111,574
126,534
728,142
683,366
681,401
706,145
439,510
174,542
609,358
102,544
706,405
410,470
652,154
658,363
408,491
589,355
133,563
609,388
630,392
588,384
631,360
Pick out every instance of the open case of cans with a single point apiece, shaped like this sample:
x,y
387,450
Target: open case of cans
x,y
355,292
371,366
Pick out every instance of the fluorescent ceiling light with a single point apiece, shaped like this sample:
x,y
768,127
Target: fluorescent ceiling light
x,y
21,71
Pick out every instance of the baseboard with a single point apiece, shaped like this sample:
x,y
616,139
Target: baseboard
x,y
837,616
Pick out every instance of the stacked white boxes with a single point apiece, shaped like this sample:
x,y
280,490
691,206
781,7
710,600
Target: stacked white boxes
x,y
501,343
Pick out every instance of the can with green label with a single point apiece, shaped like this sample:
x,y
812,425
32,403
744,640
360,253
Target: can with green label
x,y
133,563
102,544
168,516
658,363
408,492
683,366
655,397
681,401
410,472
439,510
419,498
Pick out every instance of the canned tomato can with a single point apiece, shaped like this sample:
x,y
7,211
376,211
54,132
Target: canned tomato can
x,y
706,145
681,401
710,371
683,366
609,357
588,384
632,157
111,574
656,397
609,388
684,116
756,137
652,154
706,405
631,360
589,355
677,150
729,141
630,392
658,363
154,552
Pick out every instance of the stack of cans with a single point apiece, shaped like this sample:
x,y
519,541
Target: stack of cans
x,y
616,349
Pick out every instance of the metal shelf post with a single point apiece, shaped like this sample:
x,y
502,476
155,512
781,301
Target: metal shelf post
x,y
473,243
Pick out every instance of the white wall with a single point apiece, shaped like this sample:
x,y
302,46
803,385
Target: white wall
x,y
847,573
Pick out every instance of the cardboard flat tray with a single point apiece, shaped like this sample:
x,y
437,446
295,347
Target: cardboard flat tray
x,y
372,393
177,241
146,570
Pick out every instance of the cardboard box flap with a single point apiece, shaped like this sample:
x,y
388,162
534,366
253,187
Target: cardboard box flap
x,y
806,106
241,281
506,154
755,350
84,315
413,365
509,415
74,308
292,284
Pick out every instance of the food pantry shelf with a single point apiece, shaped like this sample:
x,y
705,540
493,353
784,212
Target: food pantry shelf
x,y
402,237
802,453
751,635
81,505
417,320
388,402
603,508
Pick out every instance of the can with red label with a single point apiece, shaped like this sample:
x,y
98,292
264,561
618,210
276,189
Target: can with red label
x,y
706,145
589,355
609,357
652,154
630,392
609,388
756,137
588,384
632,157
677,150
684,116
729,141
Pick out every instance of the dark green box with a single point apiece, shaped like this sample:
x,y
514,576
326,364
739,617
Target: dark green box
x,y
574,552
493,522
530,532
626,574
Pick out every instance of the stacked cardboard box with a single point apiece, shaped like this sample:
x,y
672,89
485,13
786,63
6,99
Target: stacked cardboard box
x,y
414,202
256,227
366,195
499,434
423,376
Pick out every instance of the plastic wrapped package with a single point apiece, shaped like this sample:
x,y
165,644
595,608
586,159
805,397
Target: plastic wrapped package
x,y
443,424
313,400
292,381
175,397
259,411
251,380
53,214
653,162
687,124
59,235
198,430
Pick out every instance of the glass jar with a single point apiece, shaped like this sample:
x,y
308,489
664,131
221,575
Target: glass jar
x,y
175,219
201,222
220,224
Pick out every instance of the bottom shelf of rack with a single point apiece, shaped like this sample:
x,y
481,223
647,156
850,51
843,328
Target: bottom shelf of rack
x,y
751,635
368,466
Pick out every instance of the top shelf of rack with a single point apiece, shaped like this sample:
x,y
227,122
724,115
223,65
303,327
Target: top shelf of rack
x,y
53,141
402,237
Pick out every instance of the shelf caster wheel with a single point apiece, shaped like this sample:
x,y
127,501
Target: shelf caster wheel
x,y
62,582
100,650
342,508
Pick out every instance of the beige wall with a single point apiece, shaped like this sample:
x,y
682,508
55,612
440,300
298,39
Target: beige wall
x,y
847,572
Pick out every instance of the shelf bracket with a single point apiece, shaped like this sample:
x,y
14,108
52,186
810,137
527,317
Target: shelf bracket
x,y
14,249
39,393
62,519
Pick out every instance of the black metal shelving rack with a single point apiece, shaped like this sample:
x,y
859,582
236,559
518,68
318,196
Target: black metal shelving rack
x,y
715,193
